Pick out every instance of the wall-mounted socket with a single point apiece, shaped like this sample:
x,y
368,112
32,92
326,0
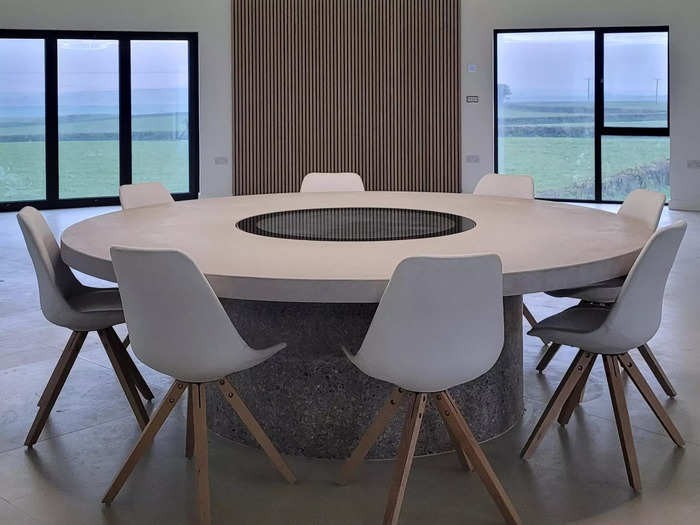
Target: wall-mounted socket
x,y
473,159
694,164
221,161
472,99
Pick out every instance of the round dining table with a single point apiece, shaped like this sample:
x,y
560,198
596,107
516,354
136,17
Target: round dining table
x,y
309,269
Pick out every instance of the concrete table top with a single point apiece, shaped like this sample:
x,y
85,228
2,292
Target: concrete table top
x,y
543,245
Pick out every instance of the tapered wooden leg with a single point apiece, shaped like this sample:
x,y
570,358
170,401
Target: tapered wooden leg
x,y
648,395
528,315
55,384
254,428
530,319
548,355
381,421
576,394
656,369
127,341
201,453
449,408
113,346
136,377
561,394
454,431
622,419
404,460
189,433
146,438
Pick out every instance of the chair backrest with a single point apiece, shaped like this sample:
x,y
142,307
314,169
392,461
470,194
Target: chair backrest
x,y
176,323
438,324
323,182
56,281
515,186
143,194
645,206
636,315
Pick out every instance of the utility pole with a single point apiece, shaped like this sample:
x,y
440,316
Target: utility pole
x,y
657,90
588,92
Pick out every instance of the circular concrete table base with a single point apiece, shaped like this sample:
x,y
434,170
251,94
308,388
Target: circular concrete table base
x,y
313,402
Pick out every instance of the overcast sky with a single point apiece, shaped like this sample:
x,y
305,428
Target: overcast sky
x,y
559,64
92,65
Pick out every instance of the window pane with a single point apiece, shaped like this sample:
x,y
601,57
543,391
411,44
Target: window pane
x,y
636,79
160,113
88,118
630,163
545,122
22,130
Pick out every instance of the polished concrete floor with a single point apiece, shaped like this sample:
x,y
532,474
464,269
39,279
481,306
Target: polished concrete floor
x,y
576,475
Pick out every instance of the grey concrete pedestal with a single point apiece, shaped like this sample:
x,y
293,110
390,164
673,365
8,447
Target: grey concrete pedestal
x,y
313,402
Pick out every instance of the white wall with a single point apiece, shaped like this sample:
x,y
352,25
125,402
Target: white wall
x,y
480,17
211,18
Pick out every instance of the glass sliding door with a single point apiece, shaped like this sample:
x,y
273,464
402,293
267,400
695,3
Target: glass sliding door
x,y
584,112
545,123
88,118
160,113
22,120
635,144
83,112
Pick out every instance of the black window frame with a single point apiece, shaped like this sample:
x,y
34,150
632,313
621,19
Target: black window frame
x,y
600,130
50,38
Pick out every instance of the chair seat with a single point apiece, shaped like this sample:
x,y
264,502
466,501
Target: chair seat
x,y
96,308
602,292
575,326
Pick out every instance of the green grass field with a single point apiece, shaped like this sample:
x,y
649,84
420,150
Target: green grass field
x,y
553,142
90,168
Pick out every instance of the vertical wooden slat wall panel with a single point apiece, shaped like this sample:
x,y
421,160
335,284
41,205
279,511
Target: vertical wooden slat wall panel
x,y
370,86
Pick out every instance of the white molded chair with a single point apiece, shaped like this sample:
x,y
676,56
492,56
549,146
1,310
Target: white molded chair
x,y
179,328
645,206
323,182
140,195
439,324
143,194
611,331
516,187
66,302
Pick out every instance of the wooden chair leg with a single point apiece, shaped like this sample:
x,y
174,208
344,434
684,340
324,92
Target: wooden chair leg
x,y
561,394
453,431
189,433
622,419
136,377
201,453
113,346
381,421
404,460
55,384
656,369
126,341
258,433
647,393
477,457
576,394
152,428
548,355
527,314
